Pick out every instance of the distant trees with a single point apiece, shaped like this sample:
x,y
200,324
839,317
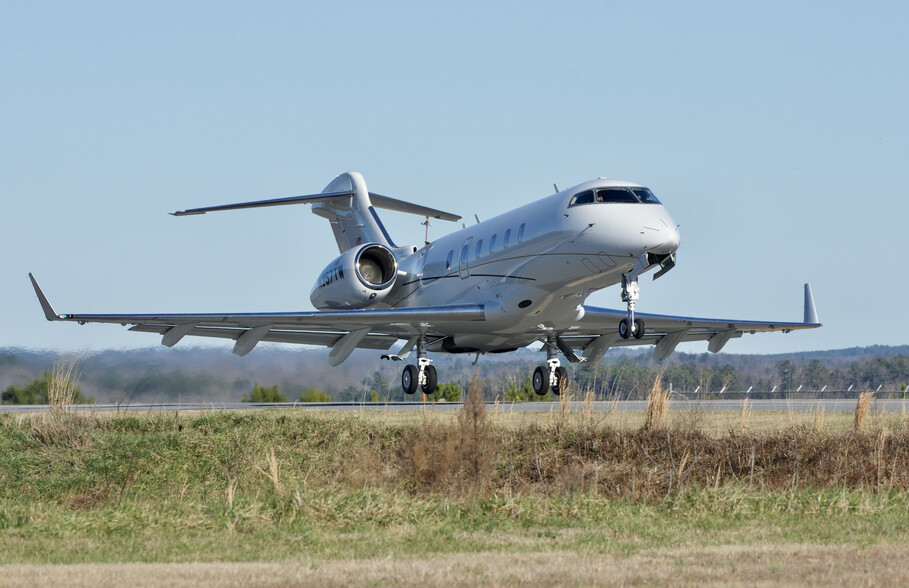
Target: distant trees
x,y
314,395
631,377
816,375
273,394
450,392
514,392
379,387
35,392
880,371
264,394
621,373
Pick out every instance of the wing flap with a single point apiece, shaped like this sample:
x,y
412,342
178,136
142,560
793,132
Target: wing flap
x,y
322,339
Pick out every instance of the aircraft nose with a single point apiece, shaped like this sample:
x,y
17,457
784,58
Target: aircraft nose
x,y
669,237
673,238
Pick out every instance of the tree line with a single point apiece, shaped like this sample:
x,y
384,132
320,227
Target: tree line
x,y
629,375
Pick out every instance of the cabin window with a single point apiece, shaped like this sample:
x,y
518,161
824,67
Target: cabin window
x,y
507,239
492,243
521,232
465,251
449,260
479,250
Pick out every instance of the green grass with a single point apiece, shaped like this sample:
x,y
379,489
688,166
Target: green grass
x,y
277,485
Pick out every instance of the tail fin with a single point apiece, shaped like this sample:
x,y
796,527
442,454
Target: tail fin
x,y
348,206
352,216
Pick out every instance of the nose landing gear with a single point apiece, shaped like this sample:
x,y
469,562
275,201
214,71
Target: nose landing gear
x,y
630,326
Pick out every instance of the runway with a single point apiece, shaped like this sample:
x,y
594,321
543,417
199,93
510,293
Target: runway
x,y
676,405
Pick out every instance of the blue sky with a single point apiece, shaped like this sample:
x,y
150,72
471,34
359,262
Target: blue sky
x,y
776,133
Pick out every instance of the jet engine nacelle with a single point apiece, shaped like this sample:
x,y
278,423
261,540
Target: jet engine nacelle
x,y
360,277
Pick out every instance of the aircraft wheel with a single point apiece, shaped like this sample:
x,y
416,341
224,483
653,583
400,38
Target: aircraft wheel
x,y
638,328
432,379
561,376
625,328
409,379
540,380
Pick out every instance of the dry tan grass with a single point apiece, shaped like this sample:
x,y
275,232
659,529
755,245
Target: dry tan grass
x,y
657,407
862,407
447,452
743,415
819,418
272,473
761,565
62,385
475,442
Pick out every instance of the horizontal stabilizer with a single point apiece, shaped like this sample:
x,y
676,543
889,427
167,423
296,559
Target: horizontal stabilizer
x,y
387,203
308,199
377,200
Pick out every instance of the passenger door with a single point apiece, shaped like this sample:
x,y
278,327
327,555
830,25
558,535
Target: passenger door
x,y
463,267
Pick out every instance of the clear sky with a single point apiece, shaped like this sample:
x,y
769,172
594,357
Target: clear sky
x,y
776,133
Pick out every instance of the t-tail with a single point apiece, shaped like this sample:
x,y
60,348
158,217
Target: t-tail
x,y
348,206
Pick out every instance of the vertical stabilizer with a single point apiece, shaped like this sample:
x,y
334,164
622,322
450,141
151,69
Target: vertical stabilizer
x,y
353,219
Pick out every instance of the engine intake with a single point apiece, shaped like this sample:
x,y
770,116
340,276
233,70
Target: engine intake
x,y
375,268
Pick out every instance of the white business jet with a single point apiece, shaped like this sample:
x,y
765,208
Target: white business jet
x,y
493,287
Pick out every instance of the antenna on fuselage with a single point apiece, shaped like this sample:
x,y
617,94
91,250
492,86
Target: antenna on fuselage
x,y
556,187
426,224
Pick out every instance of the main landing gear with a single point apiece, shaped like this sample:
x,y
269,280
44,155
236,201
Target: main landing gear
x,y
551,376
630,326
423,377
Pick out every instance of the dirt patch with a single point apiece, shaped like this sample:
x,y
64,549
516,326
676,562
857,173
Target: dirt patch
x,y
797,565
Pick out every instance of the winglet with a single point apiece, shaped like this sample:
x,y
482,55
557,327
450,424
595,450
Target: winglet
x,y
45,305
810,310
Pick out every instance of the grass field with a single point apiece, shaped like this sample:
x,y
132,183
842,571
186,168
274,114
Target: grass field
x,y
478,496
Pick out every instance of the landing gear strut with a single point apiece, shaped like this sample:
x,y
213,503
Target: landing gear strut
x,y
630,326
551,376
425,376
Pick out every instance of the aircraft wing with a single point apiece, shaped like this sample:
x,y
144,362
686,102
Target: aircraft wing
x,y
341,330
598,330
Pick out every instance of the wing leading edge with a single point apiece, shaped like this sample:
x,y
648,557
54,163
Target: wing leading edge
x,y
598,330
341,330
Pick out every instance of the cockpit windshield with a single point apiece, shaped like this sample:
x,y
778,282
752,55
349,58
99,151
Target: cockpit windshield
x,y
618,194
645,195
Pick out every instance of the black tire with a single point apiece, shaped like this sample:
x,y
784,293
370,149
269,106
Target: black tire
x,y
625,328
432,380
540,380
409,379
638,328
561,376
